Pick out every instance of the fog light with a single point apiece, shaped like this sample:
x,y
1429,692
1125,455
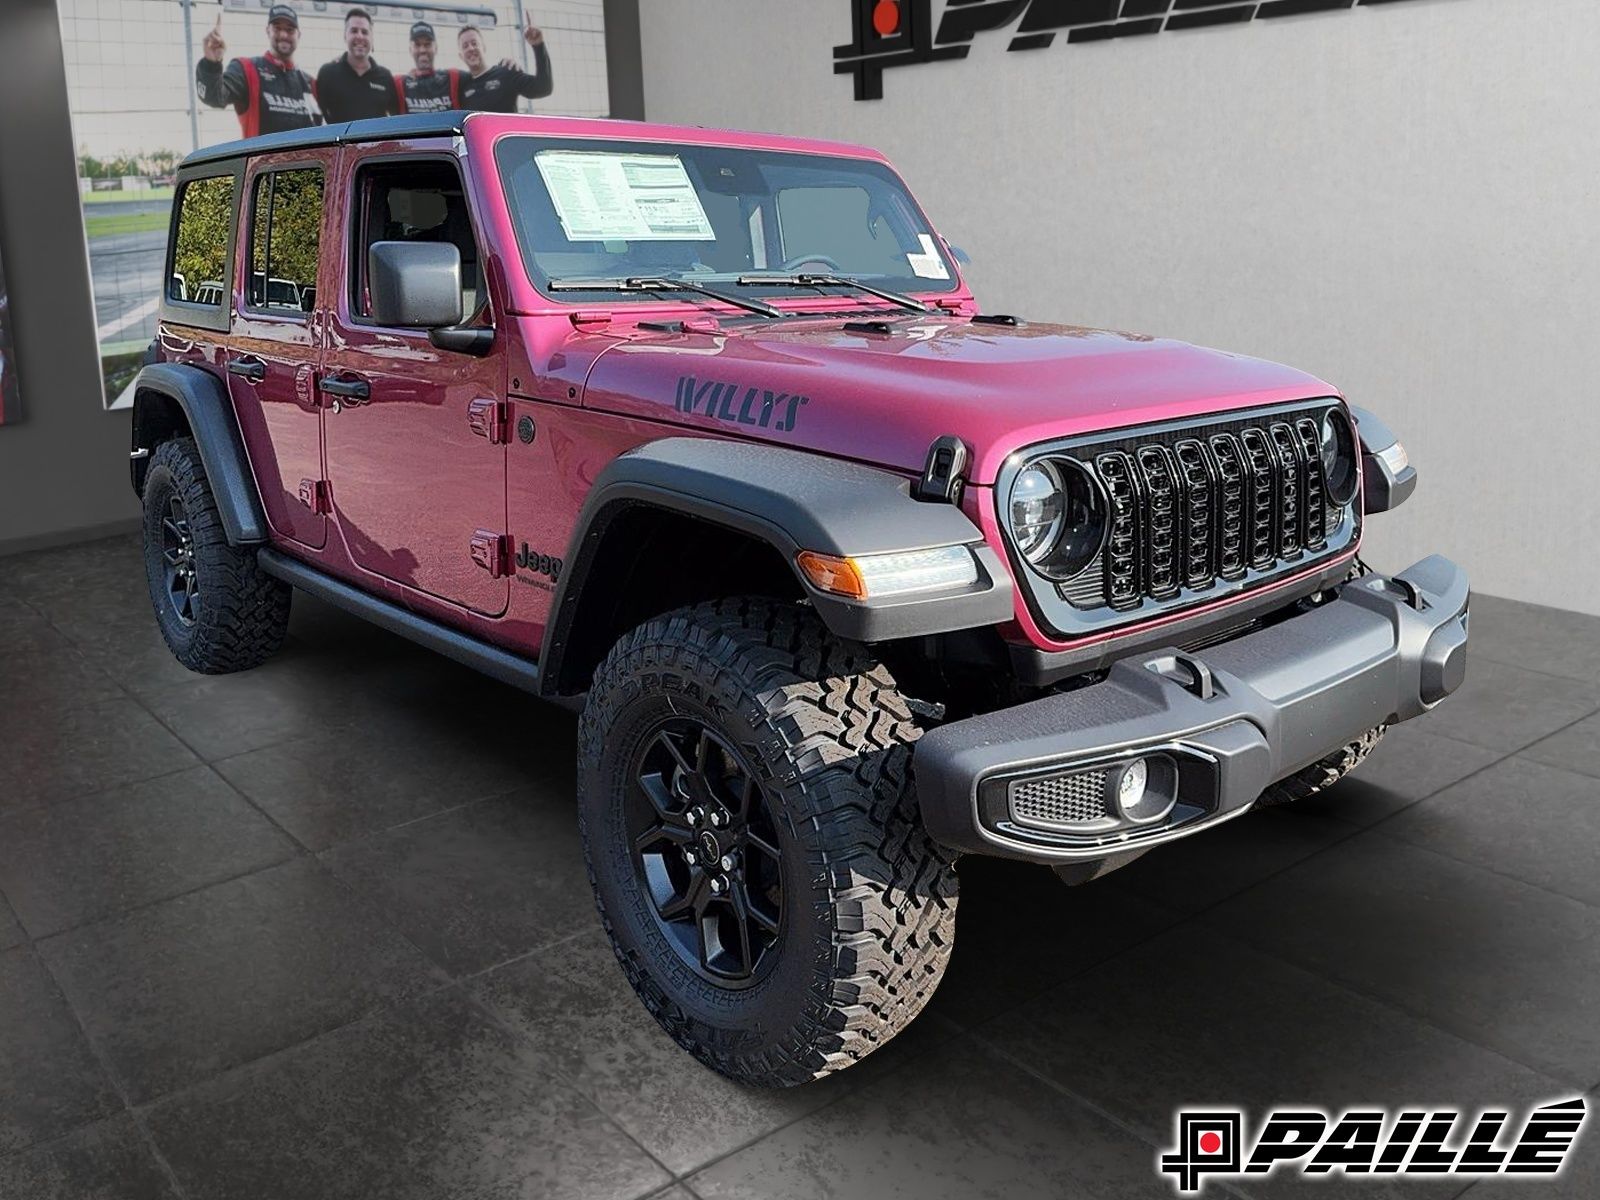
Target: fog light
x,y
1131,781
1143,790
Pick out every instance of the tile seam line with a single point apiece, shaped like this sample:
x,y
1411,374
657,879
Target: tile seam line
x,y
846,1093
93,793
1509,661
362,1015
370,835
489,1014
165,1099
358,904
1076,1097
1523,755
115,1080
172,733
1395,839
458,983
1394,1005
108,918
1200,914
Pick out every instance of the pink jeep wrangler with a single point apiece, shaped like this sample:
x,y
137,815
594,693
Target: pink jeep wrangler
x,y
703,432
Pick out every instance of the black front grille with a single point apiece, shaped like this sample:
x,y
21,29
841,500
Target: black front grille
x,y
1193,506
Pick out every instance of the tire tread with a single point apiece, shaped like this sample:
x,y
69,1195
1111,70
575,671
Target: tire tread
x,y
847,736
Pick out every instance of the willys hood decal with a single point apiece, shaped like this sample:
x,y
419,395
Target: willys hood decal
x,y
881,392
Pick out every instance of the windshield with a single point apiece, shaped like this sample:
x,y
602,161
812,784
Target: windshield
x,y
587,210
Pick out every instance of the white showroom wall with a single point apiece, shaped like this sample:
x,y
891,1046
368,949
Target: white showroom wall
x,y
1403,199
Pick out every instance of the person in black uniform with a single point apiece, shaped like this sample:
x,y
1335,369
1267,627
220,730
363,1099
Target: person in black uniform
x,y
423,89
496,88
268,91
353,86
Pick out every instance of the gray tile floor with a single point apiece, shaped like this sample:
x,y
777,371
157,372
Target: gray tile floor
x,y
323,930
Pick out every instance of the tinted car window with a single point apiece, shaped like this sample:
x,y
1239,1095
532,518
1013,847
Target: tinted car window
x,y
200,246
416,201
285,239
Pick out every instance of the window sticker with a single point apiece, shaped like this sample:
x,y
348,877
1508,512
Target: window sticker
x,y
623,197
928,264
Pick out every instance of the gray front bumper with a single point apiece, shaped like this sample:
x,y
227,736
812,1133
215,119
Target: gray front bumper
x,y
1237,716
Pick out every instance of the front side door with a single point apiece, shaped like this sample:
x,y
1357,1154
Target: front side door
x,y
416,460
275,344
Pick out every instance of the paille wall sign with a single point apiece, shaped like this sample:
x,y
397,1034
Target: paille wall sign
x,y
901,33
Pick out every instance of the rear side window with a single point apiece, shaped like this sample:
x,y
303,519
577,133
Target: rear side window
x,y
285,240
200,246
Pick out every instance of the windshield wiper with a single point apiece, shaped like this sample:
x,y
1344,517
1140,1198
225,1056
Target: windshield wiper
x,y
820,281
661,283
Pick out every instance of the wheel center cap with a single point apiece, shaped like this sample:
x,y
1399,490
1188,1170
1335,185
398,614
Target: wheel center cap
x,y
710,851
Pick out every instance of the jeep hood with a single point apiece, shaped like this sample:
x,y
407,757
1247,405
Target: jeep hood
x,y
883,396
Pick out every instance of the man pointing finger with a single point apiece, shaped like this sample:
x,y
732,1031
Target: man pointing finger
x,y
496,88
267,91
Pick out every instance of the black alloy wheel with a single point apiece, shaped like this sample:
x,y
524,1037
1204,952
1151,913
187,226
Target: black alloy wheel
x,y
706,852
177,555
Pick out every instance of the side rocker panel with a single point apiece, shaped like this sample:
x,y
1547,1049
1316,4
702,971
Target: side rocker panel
x,y
204,402
793,501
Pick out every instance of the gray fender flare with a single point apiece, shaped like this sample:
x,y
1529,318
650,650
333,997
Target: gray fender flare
x,y
203,398
794,501
1382,488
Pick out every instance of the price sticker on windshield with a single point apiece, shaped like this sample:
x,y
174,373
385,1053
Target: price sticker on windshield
x,y
928,264
623,197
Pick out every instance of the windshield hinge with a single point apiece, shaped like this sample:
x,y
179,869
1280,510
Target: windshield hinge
x,y
591,316
943,474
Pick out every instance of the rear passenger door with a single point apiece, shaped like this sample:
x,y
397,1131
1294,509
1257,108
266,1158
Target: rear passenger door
x,y
275,344
416,456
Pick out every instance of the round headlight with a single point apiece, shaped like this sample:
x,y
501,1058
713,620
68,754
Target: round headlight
x,y
1038,504
1058,516
1338,458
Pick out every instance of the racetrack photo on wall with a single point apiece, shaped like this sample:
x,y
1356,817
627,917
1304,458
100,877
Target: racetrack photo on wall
x,y
150,81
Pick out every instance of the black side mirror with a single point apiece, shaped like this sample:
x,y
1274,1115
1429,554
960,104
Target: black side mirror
x,y
415,285
963,259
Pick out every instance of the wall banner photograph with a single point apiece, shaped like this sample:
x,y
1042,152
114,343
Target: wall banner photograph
x,y
150,81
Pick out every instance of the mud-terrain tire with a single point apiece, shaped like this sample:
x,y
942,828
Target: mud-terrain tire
x,y
813,731
1322,774
235,615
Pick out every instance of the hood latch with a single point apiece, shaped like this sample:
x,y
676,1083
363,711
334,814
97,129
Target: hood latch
x,y
943,475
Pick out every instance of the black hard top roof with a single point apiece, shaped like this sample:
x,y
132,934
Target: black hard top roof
x,y
373,129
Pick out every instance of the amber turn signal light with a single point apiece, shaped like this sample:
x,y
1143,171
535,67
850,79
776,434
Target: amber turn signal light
x,y
829,573
895,573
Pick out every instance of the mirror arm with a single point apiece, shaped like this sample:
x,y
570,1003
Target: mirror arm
x,y
475,340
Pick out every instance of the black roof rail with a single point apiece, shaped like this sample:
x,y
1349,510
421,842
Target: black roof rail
x,y
372,129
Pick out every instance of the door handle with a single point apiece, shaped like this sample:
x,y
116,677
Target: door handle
x,y
350,389
356,391
252,369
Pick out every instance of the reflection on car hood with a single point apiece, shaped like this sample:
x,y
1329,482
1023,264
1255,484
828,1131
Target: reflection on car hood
x,y
882,395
